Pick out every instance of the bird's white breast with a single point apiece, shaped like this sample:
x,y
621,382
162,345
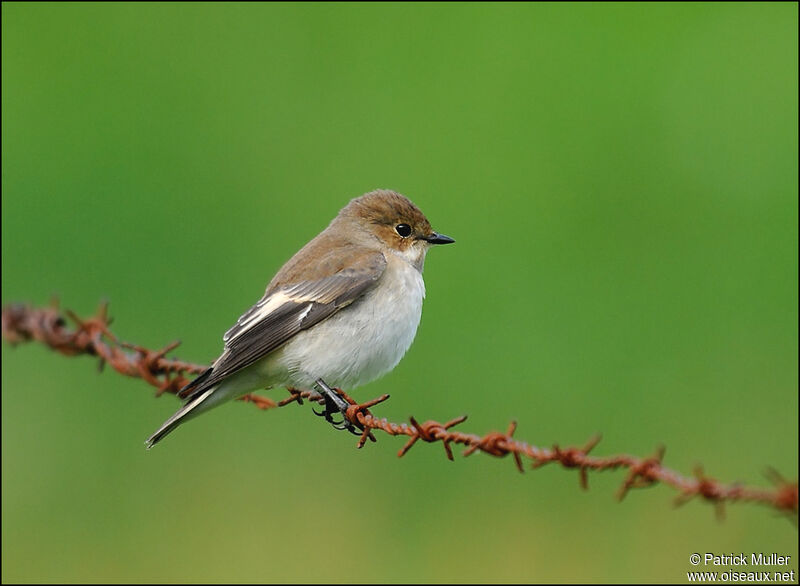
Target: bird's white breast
x,y
364,340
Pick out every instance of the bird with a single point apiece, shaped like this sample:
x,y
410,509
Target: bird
x,y
340,313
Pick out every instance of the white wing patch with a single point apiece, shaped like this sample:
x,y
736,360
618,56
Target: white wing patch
x,y
265,307
256,314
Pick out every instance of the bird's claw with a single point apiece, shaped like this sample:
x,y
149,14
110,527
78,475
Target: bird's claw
x,y
327,413
348,425
332,407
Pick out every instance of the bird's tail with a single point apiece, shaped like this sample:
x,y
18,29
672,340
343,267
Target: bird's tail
x,y
190,408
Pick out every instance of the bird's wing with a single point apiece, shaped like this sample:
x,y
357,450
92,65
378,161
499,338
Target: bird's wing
x,y
285,311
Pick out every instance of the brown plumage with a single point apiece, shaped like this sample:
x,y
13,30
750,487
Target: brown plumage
x,y
367,262
341,244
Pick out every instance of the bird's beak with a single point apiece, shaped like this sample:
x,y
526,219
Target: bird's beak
x,y
436,238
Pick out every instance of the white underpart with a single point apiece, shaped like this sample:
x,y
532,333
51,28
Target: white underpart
x,y
362,341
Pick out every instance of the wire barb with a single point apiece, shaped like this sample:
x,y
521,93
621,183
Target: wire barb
x,y
22,323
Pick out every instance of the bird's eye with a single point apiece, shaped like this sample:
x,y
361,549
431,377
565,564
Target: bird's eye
x,y
403,229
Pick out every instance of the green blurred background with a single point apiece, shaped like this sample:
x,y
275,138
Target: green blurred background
x,y
622,184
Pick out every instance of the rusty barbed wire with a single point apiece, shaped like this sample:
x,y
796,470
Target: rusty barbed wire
x,y
22,323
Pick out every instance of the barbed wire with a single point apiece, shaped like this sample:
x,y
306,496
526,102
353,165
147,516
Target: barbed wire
x,y
48,325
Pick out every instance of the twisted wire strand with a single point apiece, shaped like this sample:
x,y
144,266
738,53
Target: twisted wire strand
x,y
92,336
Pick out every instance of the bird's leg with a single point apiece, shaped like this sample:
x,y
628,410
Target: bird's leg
x,y
333,403
332,398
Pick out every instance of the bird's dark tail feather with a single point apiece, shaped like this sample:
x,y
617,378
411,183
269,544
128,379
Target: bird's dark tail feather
x,y
188,391
178,418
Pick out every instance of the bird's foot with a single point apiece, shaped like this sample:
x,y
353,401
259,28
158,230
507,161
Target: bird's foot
x,y
335,402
